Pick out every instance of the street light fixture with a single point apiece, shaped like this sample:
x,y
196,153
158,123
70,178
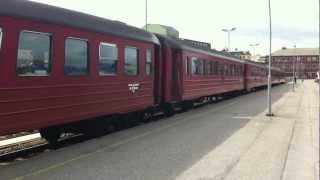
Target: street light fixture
x,y
229,32
254,48
270,57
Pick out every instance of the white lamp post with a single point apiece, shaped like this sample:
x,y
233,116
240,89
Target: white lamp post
x,y
146,15
319,60
229,34
270,58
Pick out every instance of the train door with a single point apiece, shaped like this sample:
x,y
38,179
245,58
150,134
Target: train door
x,y
157,67
1,34
1,37
176,75
244,72
1,45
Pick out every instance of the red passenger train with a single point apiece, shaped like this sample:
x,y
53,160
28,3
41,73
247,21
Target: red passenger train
x,y
64,71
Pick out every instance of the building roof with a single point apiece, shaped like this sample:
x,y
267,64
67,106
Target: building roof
x,y
162,29
238,53
61,16
297,52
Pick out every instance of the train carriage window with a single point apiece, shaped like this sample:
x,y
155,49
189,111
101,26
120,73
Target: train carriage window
x,y
76,57
216,68
0,37
149,62
34,54
197,66
186,66
210,68
221,69
108,59
131,61
226,68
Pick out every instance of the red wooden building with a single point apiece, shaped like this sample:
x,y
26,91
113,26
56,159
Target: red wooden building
x,y
303,62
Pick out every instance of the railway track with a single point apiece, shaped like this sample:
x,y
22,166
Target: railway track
x,y
28,148
10,152
32,147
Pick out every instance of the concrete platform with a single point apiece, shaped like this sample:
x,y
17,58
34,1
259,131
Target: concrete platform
x,y
231,140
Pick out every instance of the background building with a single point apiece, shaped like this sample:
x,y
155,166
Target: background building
x,y
301,61
163,30
241,54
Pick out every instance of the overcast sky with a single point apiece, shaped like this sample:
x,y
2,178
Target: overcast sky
x,y
295,22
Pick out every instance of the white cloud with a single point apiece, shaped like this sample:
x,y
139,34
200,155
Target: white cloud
x,y
295,21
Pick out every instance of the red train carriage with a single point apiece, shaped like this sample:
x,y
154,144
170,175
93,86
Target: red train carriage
x,y
191,73
256,75
58,66
278,76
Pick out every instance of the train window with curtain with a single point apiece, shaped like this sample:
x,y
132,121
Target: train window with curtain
x,y
1,34
226,68
222,70
216,68
197,66
234,70
131,67
210,68
76,57
34,54
108,59
194,63
186,66
149,62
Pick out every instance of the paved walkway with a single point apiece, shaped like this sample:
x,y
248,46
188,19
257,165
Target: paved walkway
x,y
231,140
283,147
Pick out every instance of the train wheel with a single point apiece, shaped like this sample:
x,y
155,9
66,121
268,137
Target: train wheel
x,y
168,109
146,116
52,135
187,105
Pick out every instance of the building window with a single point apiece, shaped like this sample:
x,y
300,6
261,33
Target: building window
x,y
34,54
149,62
1,34
108,59
131,61
197,66
76,57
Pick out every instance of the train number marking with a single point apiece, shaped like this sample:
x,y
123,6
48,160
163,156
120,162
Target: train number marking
x,y
134,87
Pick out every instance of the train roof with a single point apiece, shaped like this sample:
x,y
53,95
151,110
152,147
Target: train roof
x,y
61,16
256,64
273,68
180,44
